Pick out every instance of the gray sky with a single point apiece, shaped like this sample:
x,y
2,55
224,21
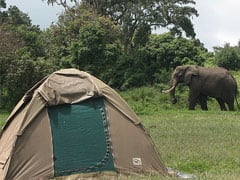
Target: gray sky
x,y
39,11
217,23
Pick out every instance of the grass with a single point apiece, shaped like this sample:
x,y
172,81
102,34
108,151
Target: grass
x,y
203,143
3,117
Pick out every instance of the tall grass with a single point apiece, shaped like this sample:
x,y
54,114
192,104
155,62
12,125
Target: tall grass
x,y
149,100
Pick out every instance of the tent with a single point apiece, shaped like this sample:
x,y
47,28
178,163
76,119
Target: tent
x,y
72,124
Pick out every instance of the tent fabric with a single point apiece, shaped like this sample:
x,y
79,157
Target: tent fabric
x,y
8,139
80,86
131,144
32,155
86,125
27,139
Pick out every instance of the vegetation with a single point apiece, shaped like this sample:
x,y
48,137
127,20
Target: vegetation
x,y
203,143
113,41
110,39
149,100
3,117
228,57
137,17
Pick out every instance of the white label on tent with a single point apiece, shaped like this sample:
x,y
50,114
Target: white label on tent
x,y
137,161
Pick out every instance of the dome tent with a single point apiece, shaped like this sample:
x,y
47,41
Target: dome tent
x,y
71,123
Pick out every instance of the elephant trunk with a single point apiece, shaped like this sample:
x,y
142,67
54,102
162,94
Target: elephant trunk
x,y
172,96
171,90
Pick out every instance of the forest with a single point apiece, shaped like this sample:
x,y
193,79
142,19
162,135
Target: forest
x,y
112,40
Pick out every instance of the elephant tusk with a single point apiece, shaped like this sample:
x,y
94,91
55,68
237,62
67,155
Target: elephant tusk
x,y
168,90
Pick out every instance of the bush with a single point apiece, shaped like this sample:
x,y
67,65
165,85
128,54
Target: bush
x,y
228,57
148,100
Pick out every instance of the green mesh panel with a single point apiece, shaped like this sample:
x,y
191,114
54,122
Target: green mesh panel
x,y
80,138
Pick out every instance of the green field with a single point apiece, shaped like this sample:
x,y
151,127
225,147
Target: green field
x,y
203,143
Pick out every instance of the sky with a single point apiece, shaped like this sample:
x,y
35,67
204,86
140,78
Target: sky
x,y
39,11
217,24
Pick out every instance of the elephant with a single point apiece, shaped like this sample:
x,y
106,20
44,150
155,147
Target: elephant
x,y
205,82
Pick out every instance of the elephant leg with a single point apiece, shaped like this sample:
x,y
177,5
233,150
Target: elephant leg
x,y
221,104
230,105
192,104
203,102
192,100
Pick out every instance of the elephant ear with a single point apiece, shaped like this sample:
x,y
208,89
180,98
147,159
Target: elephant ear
x,y
190,71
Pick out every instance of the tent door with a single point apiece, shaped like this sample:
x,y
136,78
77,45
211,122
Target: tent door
x,y
80,138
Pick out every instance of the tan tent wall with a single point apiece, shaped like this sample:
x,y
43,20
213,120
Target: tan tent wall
x,y
79,86
32,157
17,108
23,102
7,141
129,144
68,86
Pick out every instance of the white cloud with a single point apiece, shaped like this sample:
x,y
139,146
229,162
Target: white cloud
x,y
217,23
226,37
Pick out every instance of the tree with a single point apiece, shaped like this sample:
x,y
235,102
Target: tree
x,y
9,44
63,3
21,49
170,51
134,15
151,63
227,57
2,4
165,52
137,16
85,40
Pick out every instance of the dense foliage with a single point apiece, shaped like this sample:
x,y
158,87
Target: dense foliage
x,y
110,39
21,52
136,18
228,57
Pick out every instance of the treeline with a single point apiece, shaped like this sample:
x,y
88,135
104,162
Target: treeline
x,y
111,40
